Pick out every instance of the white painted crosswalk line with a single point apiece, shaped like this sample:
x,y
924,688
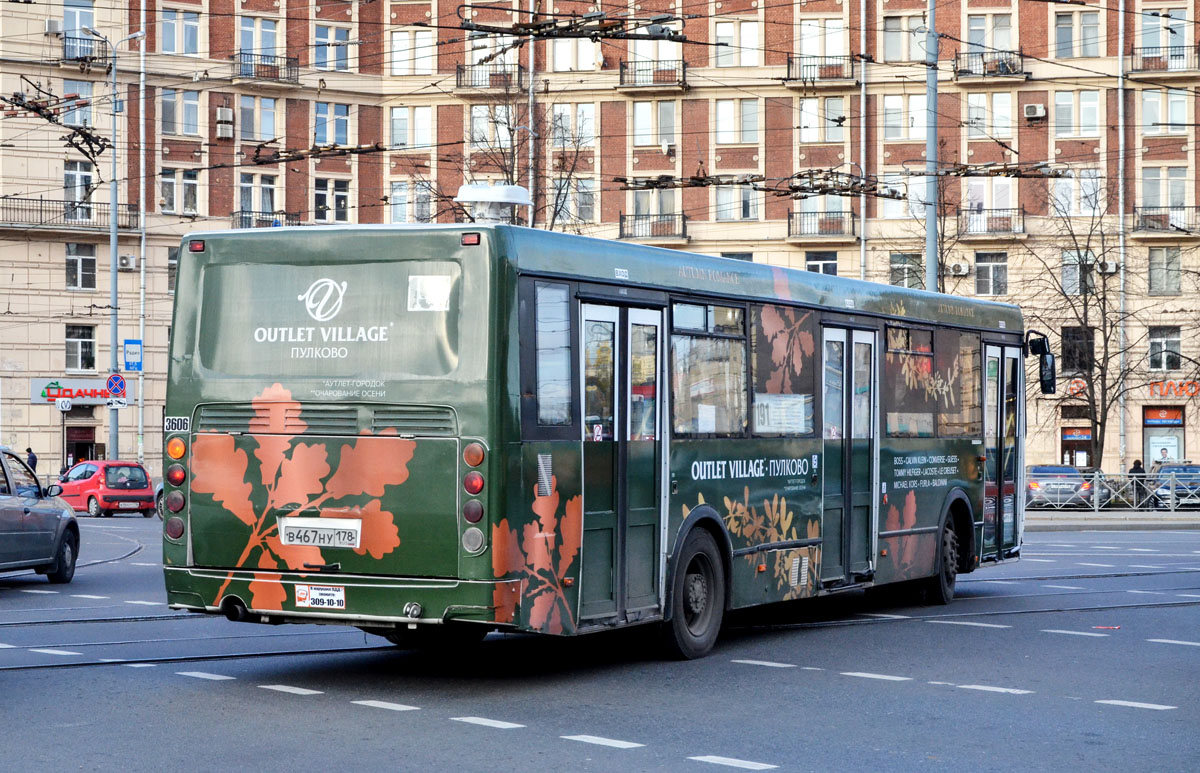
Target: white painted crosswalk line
x,y
487,722
733,763
385,705
1074,633
766,663
56,652
988,688
597,740
1136,705
885,677
968,622
205,675
290,689
1063,587
1176,641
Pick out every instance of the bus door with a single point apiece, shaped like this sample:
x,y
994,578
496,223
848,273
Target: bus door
x,y
1002,401
850,454
622,461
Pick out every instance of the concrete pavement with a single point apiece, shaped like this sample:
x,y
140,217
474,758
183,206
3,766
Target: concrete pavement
x,y
1079,519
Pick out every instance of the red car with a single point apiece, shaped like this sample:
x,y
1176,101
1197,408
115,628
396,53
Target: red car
x,y
102,488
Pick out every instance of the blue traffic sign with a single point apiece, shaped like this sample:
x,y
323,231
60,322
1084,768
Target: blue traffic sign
x,y
133,354
116,385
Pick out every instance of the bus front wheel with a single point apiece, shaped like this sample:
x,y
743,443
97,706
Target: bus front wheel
x,y
697,597
940,587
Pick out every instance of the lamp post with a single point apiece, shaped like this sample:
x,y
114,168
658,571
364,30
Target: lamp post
x,y
113,207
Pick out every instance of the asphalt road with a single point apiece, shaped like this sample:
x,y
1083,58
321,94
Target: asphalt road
x,y
1083,655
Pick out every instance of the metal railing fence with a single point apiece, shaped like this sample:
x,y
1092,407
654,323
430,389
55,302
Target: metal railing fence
x,y
1167,493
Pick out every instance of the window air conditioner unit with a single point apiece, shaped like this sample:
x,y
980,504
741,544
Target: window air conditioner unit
x,y
1109,266
53,26
1035,111
127,262
960,269
224,115
224,131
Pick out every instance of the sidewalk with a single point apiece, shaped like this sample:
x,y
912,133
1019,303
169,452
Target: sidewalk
x,y
1109,520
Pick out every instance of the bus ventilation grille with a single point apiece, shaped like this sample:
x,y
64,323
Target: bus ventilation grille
x,y
799,571
425,420
309,421
545,482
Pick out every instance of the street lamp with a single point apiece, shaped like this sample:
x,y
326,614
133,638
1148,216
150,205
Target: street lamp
x,y
113,449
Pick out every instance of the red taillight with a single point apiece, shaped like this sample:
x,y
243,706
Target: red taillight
x,y
174,501
176,475
473,455
196,245
473,510
1033,484
470,240
473,482
174,527
1085,486
176,448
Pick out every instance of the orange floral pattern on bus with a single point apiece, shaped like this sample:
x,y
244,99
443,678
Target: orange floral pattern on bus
x,y
541,556
297,476
789,334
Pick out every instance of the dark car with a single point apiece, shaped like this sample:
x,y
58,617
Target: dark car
x,y
37,529
1060,485
105,487
1178,482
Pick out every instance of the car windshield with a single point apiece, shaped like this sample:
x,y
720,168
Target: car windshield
x,y
125,477
1053,469
1180,469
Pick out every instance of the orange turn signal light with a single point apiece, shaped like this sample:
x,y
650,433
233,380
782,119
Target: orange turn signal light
x,y
473,454
176,448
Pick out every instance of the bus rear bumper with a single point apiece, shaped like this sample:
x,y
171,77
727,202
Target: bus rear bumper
x,y
335,599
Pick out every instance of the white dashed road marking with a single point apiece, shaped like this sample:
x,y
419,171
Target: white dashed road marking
x,y
885,677
1148,592
146,603
487,722
1143,566
1106,547
86,596
1103,566
385,705
1040,560
1073,633
145,564
1142,550
1176,641
766,663
1135,705
289,689
30,590
139,665
966,622
987,688
1063,587
732,763
1189,595
7,647
203,675
614,743
810,668
886,617
57,652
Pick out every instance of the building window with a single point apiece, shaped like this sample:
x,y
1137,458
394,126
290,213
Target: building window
x,y
746,256
1078,349
180,32
1078,192
412,127
989,121
257,36
331,48
81,266
257,118
1164,186
81,113
737,202
1075,412
180,191
573,54
333,124
492,126
573,126
1165,348
1076,34
77,190
905,270
1164,29
414,52
1077,272
411,202
822,37
180,112
737,121
900,123
1164,270
737,44
991,273
332,201
1076,113
81,347
903,38
1156,119
264,186
654,202
907,199
654,123
983,37
821,262
829,125
490,53
574,200
172,268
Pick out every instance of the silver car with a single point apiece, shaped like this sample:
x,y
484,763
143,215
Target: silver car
x,y
37,529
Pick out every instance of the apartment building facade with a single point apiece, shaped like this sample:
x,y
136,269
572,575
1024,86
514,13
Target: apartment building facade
x,y
1066,138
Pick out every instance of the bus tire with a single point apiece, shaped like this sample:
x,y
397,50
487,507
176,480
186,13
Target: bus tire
x,y
939,588
697,598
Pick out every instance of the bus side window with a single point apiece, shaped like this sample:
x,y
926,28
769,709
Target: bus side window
x,y
910,388
708,370
552,335
957,362
784,362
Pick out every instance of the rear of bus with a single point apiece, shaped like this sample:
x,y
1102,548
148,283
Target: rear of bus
x,y
327,424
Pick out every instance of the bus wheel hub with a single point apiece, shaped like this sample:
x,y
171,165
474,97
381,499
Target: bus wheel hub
x,y
697,593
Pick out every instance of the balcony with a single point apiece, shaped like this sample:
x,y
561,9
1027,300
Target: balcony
x,y
655,227
992,65
266,67
1169,222
84,49
250,219
65,214
666,75
491,77
1163,61
805,72
991,222
836,225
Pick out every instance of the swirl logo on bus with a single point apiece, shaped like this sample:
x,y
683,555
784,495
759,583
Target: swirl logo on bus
x,y
323,299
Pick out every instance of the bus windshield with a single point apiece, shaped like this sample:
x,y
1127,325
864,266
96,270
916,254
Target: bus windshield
x,y
386,320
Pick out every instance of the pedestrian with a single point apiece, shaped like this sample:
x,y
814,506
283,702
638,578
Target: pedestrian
x,y
31,460
1138,474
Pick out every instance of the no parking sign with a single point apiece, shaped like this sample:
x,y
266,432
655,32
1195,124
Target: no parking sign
x,y
116,385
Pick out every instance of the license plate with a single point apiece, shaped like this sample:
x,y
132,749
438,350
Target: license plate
x,y
320,532
321,596
127,505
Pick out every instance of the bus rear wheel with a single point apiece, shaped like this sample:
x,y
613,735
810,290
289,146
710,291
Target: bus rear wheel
x,y
697,598
940,587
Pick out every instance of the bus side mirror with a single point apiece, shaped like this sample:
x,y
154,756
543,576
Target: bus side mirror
x,y
1046,372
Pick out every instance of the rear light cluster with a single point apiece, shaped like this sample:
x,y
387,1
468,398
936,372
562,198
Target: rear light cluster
x,y
174,500
472,510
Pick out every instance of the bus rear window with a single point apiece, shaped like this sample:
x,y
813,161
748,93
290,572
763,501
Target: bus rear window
x,y
381,320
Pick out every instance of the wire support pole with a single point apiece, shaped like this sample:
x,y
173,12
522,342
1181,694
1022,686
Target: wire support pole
x,y
931,152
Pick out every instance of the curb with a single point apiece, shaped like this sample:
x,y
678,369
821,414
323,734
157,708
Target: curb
x,y
1128,520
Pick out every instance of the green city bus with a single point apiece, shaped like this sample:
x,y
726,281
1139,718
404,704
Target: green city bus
x,y
432,432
